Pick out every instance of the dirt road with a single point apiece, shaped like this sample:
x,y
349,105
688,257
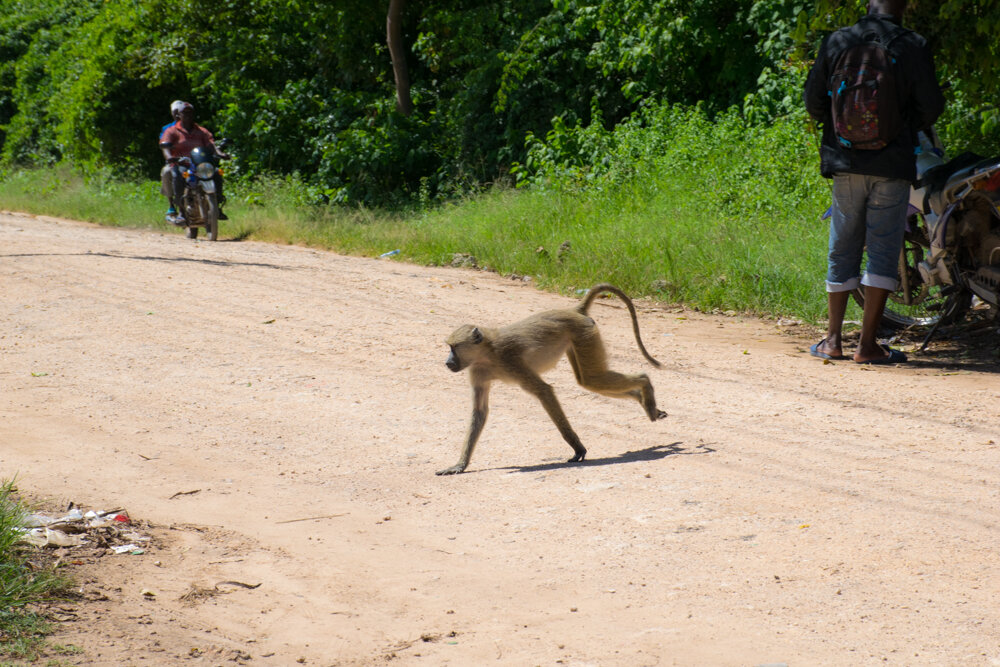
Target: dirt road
x,y
277,414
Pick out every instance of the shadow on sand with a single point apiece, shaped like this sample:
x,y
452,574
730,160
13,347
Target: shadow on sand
x,y
654,453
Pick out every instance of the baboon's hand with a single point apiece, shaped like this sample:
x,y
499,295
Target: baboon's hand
x,y
454,470
660,414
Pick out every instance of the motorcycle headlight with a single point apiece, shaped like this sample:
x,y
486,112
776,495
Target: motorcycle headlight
x,y
205,171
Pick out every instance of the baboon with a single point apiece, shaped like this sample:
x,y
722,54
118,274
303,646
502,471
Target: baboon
x,y
517,353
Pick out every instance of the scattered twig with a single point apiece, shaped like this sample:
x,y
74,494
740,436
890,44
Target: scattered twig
x,y
402,646
185,493
314,518
198,593
107,512
238,583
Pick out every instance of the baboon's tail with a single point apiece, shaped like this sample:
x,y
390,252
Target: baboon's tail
x,y
596,291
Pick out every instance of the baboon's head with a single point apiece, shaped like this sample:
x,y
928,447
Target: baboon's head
x,y
464,343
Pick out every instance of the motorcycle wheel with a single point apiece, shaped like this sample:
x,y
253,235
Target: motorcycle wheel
x,y
212,217
924,305
943,308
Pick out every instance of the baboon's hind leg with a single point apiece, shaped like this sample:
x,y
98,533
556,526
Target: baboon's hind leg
x,y
589,362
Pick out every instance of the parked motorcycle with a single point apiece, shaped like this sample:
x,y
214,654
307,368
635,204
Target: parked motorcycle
x,y
199,201
951,249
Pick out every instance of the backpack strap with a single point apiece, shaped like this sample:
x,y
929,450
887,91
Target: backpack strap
x,y
884,38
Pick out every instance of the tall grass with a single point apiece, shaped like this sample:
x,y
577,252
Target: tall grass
x,y
710,213
21,585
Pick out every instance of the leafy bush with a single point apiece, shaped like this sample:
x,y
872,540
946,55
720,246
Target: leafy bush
x,y
738,167
968,126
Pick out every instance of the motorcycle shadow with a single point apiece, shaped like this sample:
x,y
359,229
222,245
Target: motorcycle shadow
x,y
971,345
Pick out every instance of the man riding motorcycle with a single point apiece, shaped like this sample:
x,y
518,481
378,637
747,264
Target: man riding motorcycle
x,y
177,141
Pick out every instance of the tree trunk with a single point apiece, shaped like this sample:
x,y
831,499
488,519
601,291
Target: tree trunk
x,y
394,38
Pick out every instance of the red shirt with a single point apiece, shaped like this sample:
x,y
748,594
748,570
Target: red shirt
x,y
184,141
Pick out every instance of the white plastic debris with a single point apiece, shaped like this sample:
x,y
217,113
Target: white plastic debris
x,y
46,537
126,548
73,515
36,520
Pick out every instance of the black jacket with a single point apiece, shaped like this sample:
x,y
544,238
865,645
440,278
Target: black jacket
x,y
921,101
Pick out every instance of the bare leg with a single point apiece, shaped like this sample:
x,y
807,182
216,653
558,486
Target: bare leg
x,y
868,347
836,307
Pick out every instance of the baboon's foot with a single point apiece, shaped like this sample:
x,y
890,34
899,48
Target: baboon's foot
x,y
579,456
454,470
648,400
653,412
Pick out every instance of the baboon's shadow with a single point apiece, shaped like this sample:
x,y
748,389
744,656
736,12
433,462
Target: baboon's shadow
x,y
654,453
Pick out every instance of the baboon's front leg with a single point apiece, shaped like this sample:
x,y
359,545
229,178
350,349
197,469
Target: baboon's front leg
x,y
480,410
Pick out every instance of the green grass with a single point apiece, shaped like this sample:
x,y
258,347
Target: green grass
x,y
716,216
23,636
22,630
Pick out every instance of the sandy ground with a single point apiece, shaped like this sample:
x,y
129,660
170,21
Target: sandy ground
x,y
275,416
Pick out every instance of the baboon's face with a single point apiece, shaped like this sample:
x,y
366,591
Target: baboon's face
x,y
454,363
463,343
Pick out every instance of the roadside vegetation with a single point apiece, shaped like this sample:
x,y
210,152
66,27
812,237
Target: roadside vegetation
x,y
23,585
659,144
716,215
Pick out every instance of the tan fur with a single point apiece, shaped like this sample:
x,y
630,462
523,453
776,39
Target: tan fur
x,y
518,353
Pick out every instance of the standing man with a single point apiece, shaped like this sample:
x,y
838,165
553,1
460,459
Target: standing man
x,y
869,150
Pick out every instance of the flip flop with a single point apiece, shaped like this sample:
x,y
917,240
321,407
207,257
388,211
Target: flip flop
x,y
814,351
892,357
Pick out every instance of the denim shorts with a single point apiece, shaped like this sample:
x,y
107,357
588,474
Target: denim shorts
x,y
868,212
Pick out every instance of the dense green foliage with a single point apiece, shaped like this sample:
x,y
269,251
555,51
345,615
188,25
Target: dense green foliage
x,y
308,88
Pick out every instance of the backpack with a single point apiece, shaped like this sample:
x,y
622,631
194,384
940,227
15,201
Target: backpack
x,y
864,93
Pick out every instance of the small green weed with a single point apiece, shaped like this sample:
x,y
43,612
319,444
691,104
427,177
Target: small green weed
x,y
22,636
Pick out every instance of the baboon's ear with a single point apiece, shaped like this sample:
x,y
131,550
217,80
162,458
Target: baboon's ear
x,y
476,336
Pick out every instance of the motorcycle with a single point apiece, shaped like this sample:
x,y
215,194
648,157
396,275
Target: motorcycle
x,y
199,201
951,248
